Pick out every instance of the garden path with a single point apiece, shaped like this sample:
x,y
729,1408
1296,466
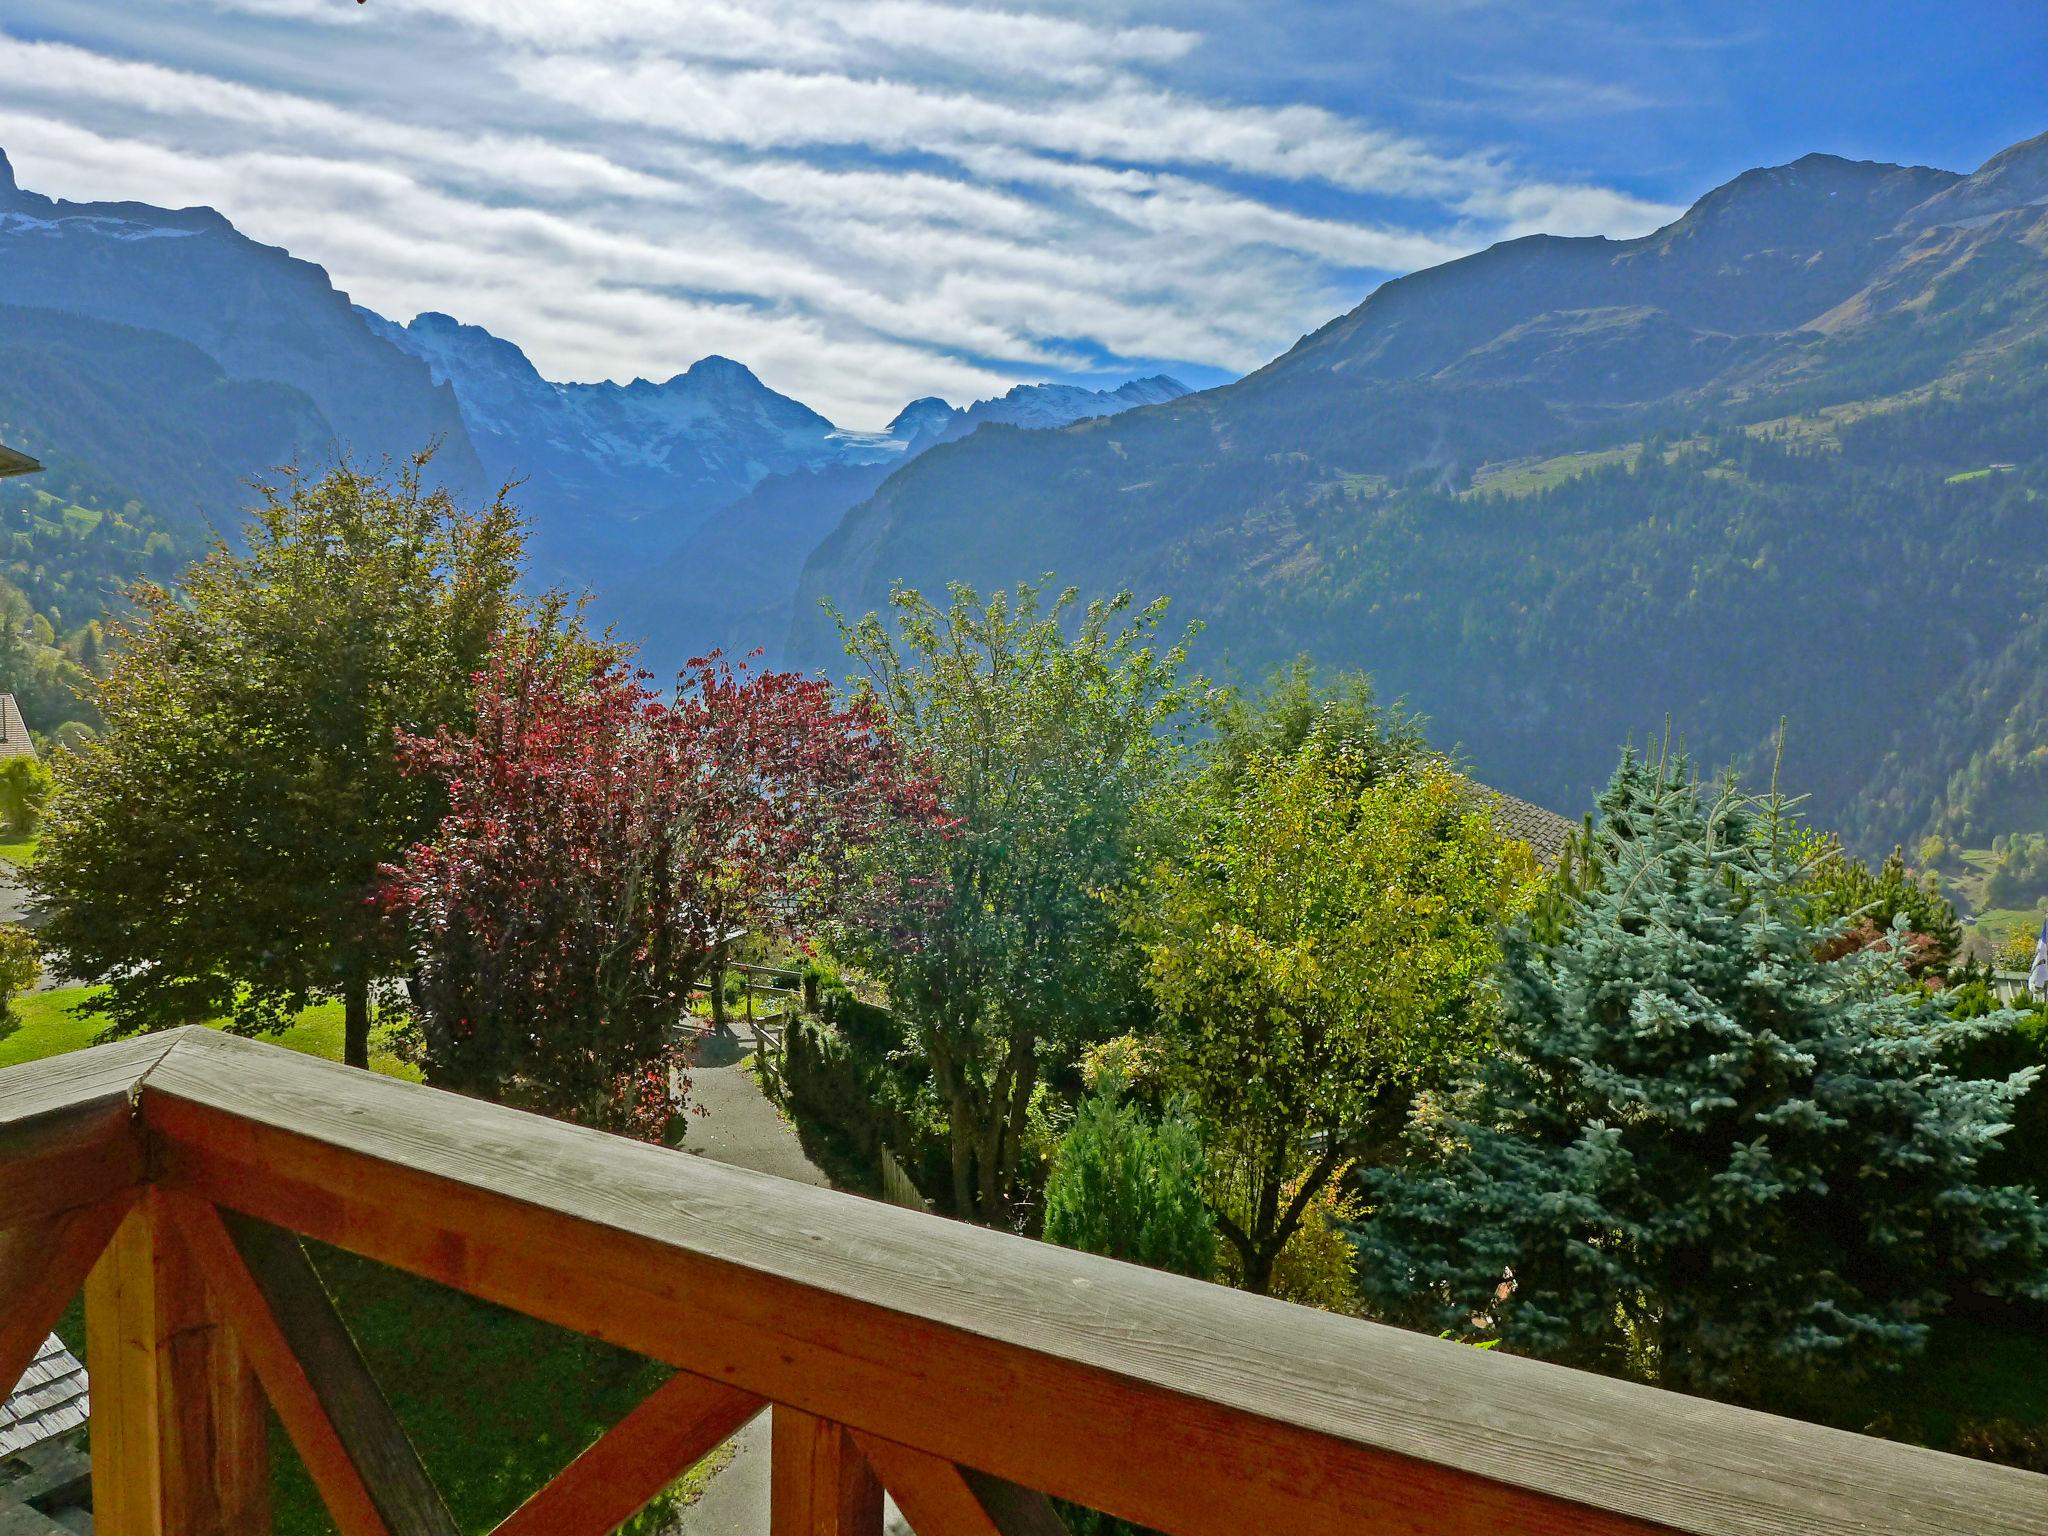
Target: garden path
x,y
741,1127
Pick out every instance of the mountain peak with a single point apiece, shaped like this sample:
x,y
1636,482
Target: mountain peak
x,y
923,414
716,369
8,186
2015,177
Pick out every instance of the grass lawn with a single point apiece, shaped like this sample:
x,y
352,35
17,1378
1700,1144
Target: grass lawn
x,y
49,1024
495,1402
18,850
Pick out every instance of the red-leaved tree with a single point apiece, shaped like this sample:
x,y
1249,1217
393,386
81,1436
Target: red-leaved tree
x,y
602,841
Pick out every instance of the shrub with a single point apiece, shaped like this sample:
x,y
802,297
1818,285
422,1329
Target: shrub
x,y
1128,1187
25,785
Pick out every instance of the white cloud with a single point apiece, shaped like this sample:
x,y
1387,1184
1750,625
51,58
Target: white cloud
x,y
865,200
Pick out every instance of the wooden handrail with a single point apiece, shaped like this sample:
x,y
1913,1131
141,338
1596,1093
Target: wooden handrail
x,y
1187,1407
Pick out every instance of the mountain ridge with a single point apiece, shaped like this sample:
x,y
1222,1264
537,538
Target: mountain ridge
x,y
1788,322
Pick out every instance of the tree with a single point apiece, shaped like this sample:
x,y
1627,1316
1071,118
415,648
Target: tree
x,y
1320,953
1840,886
1128,1186
21,965
1701,1153
601,847
998,950
217,850
25,787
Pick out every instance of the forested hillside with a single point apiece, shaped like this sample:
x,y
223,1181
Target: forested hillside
x,y
146,444
1782,459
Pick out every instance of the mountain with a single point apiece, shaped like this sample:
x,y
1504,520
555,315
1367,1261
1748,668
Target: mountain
x,y
258,312
730,584
609,471
1781,458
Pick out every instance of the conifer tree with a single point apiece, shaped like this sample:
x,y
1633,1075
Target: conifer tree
x,y
1702,1154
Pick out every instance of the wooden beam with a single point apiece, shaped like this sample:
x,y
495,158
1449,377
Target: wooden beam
x,y
941,1499
179,1436
352,1445
819,1483
681,1422
1170,1403
68,1131
42,1265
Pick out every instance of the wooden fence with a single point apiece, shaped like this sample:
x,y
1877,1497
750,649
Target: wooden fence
x,y
963,1369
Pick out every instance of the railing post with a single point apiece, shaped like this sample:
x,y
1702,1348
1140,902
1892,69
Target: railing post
x,y
820,1483
179,1435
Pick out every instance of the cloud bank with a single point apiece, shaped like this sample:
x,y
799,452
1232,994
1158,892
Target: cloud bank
x,y
865,200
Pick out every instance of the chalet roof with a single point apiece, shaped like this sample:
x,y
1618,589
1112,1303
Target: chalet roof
x,y
14,738
14,463
1544,831
49,1401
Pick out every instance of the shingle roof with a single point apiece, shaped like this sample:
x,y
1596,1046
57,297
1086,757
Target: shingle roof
x,y
14,738
50,1399
1546,832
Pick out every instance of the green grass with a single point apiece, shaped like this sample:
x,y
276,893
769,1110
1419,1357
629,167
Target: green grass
x,y
51,1023
496,1403
1525,477
19,850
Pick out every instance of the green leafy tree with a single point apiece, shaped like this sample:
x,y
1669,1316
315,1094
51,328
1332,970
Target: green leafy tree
x,y
216,851
1321,951
21,965
994,941
25,786
1126,1185
1297,702
1701,1153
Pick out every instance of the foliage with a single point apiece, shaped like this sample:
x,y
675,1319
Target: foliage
x,y
1318,1265
2019,869
1295,705
21,965
2017,952
601,845
997,950
2017,1039
1839,887
1130,1187
25,786
216,852
1322,952
1702,1153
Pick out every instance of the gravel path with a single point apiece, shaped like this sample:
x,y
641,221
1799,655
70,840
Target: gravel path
x,y
742,1128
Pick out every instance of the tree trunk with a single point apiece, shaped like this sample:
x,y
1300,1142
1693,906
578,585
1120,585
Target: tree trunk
x,y
1258,1271
355,1022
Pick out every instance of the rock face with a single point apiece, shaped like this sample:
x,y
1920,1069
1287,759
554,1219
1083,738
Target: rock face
x,y
1438,484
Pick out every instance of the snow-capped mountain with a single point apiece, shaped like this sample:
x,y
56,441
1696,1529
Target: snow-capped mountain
x,y
644,469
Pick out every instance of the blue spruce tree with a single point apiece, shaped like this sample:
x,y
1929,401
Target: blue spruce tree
x,y
1701,1155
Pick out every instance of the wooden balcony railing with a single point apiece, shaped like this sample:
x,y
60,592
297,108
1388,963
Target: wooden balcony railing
x,y
962,1369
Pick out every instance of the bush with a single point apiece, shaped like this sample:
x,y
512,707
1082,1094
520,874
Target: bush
x,y
25,786
1128,1187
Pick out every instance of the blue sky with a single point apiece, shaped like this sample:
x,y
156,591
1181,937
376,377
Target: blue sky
x,y
868,200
